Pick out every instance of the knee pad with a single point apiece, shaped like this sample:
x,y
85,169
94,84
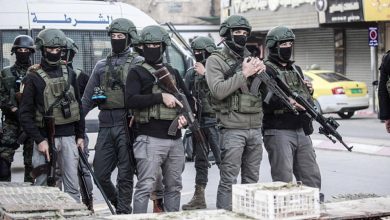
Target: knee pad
x,y
5,169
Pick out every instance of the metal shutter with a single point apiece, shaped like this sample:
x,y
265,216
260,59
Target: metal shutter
x,y
358,65
314,46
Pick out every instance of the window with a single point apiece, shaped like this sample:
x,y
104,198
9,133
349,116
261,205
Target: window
x,y
333,77
175,59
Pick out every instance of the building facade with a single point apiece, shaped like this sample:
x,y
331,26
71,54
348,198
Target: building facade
x,y
330,33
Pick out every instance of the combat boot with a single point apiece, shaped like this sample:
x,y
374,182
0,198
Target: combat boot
x,y
158,206
198,200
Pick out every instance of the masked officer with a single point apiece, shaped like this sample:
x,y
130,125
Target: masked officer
x,y
154,110
384,91
196,82
286,135
105,89
86,186
10,80
50,89
239,113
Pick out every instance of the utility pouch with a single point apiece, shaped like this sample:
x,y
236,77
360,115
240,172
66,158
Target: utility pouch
x,y
249,104
65,108
307,124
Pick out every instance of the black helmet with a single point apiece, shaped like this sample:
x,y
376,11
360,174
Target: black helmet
x,y
23,41
234,22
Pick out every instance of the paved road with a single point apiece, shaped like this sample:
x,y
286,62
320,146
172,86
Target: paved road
x,y
342,173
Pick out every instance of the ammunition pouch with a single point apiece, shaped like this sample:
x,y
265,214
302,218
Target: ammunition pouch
x,y
241,103
60,97
159,111
114,83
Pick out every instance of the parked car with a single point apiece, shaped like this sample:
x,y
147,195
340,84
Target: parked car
x,y
335,93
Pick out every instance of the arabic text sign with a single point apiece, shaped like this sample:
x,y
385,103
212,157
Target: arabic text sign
x,y
242,6
338,11
373,36
73,21
376,10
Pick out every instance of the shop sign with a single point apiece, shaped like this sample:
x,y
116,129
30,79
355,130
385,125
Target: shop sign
x,y
242,6
376,10
339,11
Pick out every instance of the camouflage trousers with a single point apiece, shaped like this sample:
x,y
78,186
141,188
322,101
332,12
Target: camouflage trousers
x,y
8,145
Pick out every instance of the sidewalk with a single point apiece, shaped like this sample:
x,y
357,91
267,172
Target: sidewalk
x,y
379,147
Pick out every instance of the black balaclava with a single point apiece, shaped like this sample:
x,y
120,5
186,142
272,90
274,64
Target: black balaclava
x,y
23,58
202,57
153,55
53,59
120,45
236,42
281,54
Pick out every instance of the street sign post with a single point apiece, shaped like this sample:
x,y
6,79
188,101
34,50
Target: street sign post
x,y
373,43
373,36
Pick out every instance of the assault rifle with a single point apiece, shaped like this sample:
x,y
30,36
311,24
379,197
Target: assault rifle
x,y
83,186
273,89
328,125
50,125
165,81
131,136
85,161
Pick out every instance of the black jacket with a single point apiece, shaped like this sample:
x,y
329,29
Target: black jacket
x,y
383,95
139,95
32,97
287,120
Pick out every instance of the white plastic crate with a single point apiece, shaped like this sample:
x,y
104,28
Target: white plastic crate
x,y
276,200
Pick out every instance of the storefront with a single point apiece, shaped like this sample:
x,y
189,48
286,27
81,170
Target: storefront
x,y
351,45
313,45
330,33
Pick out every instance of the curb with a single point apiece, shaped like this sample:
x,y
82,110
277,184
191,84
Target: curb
x,y
372,149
